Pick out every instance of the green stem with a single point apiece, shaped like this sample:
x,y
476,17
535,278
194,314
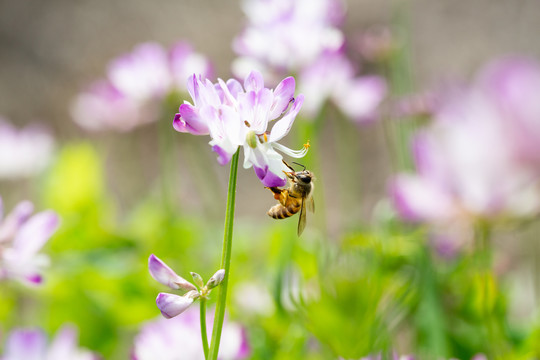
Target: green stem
x,y
204,334
225,260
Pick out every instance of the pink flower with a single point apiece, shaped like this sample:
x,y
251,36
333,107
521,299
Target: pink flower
x,y
136,86
170,339
282,34
21,237
23,152
31,344
479,158
332,77
238,116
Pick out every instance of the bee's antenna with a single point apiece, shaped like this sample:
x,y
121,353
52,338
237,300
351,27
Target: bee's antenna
x,y
294,162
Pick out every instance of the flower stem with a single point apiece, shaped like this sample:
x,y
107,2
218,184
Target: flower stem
x,y
204,334
225,260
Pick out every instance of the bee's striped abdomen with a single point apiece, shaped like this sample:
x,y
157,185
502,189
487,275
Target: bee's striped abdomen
x,y
281,212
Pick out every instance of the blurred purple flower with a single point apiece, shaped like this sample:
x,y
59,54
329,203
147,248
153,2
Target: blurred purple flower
x,y
31,344
136,86
287,35
332,77
21,237
479,158
236,116
180,338
24,152
303,37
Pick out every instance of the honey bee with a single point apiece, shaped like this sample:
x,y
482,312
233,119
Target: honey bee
x,y
294,198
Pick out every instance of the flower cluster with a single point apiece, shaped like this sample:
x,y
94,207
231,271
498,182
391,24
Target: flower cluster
x,y
32,344
24,152
236,116
480,157
136,85
170,339
304,38
21,237
172,305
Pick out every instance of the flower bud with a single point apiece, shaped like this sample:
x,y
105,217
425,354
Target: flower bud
x,y
197,279
216,279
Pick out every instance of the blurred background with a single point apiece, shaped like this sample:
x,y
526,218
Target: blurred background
x,y
379,288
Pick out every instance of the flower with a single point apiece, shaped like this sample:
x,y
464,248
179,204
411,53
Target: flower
x,y
25,344
238,116
304,38
172,305
21,237
23,152
180,338
287,35
332,76
479,158
136,86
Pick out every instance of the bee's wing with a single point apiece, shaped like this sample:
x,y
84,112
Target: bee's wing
x,y
302,219
310,204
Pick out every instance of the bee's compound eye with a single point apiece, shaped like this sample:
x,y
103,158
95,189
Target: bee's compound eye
x,y
305,179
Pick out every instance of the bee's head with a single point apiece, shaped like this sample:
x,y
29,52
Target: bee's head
x,y
304,176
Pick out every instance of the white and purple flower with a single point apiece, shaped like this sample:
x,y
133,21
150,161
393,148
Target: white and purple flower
x,y
285,36
180,338
479,158
172,305
22,235
238,116
23,152
332,77
31,344
304,38
136,86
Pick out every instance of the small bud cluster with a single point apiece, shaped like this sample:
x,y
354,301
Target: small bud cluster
x,y
172,305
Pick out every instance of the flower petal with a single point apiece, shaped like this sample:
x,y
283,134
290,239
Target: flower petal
x,y
35,232
166,276
188,120
172,305
283,126
26,344
283,94
254,82
268,178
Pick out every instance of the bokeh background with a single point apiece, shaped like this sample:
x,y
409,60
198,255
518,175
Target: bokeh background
x,y
106,188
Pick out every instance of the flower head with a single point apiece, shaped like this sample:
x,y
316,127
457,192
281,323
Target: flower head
x,y
172,305
136,86
21,237
288,35
476,161
239,116
23,152
32,344
170,339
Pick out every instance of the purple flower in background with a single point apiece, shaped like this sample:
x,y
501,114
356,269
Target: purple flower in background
x,y
31,344
136,85
238,116
22,235
332,77
180,338
303,37
479,158
287,35
24,152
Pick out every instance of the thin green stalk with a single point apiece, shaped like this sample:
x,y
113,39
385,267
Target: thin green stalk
x,y
225,260
204,335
